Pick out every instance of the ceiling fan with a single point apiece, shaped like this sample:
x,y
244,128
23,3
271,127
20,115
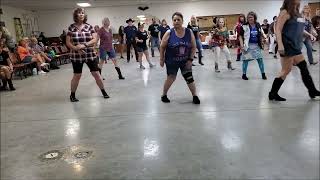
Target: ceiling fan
x,y
143,8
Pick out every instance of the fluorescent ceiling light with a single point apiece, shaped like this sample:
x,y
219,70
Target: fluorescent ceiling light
x,y
84,4
140,16
143,18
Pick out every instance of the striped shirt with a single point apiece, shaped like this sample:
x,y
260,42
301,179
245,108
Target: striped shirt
x,y
81,36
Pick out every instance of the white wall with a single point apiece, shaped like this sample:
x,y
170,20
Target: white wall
x,y
10,12
53,22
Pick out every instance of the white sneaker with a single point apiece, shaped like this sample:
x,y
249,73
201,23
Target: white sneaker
x,y
142,67
42,72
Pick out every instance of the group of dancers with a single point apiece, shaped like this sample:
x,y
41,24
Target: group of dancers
x,y
178,48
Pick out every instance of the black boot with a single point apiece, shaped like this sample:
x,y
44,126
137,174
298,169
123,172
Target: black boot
x,y
119,73
264,76
216,68
307,80
73,97
11,85
273,94
200,61
244,77
104,93
4,85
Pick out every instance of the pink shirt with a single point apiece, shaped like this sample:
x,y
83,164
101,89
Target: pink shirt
x,y
105,39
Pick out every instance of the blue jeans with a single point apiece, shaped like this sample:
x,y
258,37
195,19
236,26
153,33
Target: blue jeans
x,y
154,43
308,44
199,47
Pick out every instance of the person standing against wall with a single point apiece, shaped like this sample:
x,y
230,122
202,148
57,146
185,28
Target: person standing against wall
x,y
130,34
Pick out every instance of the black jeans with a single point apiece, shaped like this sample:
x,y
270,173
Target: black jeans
x,y
129,44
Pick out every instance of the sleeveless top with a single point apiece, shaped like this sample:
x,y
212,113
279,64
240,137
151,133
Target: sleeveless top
x,y
105,39
178,49
292,36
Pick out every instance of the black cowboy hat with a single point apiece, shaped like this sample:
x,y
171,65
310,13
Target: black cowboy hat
x,y
127,21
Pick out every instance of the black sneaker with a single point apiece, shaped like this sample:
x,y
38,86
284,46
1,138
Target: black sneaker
x,y
270,52
105,95
196,100
275,56
73,99
165,99
244,77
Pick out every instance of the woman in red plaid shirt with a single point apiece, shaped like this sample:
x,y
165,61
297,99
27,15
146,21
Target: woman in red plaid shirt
x,y
81,39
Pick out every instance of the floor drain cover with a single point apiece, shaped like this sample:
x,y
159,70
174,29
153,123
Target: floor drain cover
x,y
82,154
51,155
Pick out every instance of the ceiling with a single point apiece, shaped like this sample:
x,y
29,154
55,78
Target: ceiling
x,y
65,4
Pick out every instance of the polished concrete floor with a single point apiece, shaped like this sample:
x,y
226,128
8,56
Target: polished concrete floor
x,y
236,133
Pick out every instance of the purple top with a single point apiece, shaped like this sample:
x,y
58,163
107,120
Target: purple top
x,y
105,39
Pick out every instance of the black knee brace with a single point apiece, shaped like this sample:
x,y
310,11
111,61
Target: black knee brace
x,y
188,77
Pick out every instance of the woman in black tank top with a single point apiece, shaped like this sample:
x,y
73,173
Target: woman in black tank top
x,y
289,33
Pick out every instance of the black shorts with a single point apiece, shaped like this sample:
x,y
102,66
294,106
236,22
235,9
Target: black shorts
x,y
172,69
78,65
142,49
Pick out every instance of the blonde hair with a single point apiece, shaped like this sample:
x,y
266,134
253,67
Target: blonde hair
x,y
105,20
195,22
33,39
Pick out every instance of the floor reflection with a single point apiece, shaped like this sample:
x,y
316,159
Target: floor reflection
x,y
151,148
231,142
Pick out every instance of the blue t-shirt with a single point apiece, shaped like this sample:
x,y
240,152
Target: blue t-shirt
x,y
163,30
254,35
130,32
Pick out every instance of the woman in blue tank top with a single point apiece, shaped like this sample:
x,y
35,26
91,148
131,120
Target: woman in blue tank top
x,y
289,33
177,50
